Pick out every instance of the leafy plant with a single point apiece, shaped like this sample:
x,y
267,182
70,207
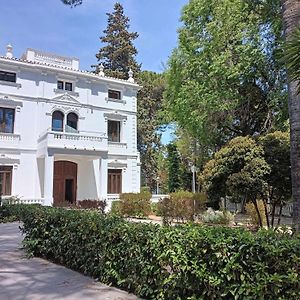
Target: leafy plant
x,y
211,216
92,204
135,204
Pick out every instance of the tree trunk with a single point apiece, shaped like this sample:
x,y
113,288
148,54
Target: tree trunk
x,y
291,20
266,213
280,214
258,213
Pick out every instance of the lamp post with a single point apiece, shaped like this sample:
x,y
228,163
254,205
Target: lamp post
x,y
157,185
193,169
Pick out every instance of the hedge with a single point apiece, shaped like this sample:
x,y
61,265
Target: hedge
x,y
161,262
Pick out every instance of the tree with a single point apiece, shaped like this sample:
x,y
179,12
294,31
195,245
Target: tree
x,y
238,170
149,101
224,79
173,168
276,147
72,3
118,54
291,20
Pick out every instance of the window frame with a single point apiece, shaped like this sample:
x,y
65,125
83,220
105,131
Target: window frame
x,y
6,75
117,92
7,172
114,181
5,109
62,85
52,119
67,120
111,137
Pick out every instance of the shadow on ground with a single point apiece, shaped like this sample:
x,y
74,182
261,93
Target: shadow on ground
x,y
35,279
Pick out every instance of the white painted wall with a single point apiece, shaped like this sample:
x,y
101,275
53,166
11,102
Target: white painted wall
x,y
34,98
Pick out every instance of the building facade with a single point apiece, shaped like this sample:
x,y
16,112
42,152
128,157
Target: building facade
x,y
65,134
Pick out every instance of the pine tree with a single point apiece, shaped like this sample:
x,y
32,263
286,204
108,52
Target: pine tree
x,y
118,54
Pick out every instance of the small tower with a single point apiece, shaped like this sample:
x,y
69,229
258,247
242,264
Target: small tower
x,y
130,78
9,50
101,70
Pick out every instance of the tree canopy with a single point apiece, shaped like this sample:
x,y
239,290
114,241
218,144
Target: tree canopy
x,y
118,53
224,79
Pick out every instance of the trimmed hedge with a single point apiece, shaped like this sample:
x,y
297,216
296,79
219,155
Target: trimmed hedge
x,y
153,262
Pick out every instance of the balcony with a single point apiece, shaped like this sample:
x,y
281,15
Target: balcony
x,y
9,140
85,141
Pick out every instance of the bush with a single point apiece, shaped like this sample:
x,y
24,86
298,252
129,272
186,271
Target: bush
x,y
181,206
155,209
16,212
115,208
92,204
135,204
154,262
211,216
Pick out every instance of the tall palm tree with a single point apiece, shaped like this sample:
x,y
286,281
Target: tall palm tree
x,y
291,21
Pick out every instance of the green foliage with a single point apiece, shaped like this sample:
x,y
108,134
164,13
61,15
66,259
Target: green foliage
x,y
181,206
238,170
149,102
173,168
217,217
135,204
118,54
251,211
276,147
115,208
154,262
224,78
292,57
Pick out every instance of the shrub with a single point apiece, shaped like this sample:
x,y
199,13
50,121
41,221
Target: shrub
x,y
251,211
115,208
135,204
224,217
154,262
155,209
182,206
92,204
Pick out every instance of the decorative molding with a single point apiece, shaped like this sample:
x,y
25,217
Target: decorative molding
x,y
66,97
8,160
115,116
116,164
17,85
6,101
115,100
71,93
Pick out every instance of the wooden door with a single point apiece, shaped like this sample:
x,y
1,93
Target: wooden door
x,y
64,182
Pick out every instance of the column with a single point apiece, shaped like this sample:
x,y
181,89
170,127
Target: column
x,y
96,170
48,180
103,181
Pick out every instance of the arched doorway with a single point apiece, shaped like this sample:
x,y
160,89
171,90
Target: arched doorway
x,y
64,182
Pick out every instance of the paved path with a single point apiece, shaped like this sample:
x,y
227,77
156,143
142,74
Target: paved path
x,y
38,279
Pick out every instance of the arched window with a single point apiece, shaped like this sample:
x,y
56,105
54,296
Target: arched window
x,y
72,122
57,121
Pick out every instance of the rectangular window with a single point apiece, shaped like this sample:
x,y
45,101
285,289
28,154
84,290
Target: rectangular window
x,y
114,131
68,86
60,85
112,94
7,116
114,181
8,76
5,180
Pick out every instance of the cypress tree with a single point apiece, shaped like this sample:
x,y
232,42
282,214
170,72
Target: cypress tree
x,y
118,53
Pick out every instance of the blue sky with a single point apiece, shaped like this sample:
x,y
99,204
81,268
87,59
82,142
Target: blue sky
x,y
50,25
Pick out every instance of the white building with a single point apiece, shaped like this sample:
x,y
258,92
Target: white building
x,y
65,134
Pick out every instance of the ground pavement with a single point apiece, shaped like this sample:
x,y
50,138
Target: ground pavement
x,y
38,279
